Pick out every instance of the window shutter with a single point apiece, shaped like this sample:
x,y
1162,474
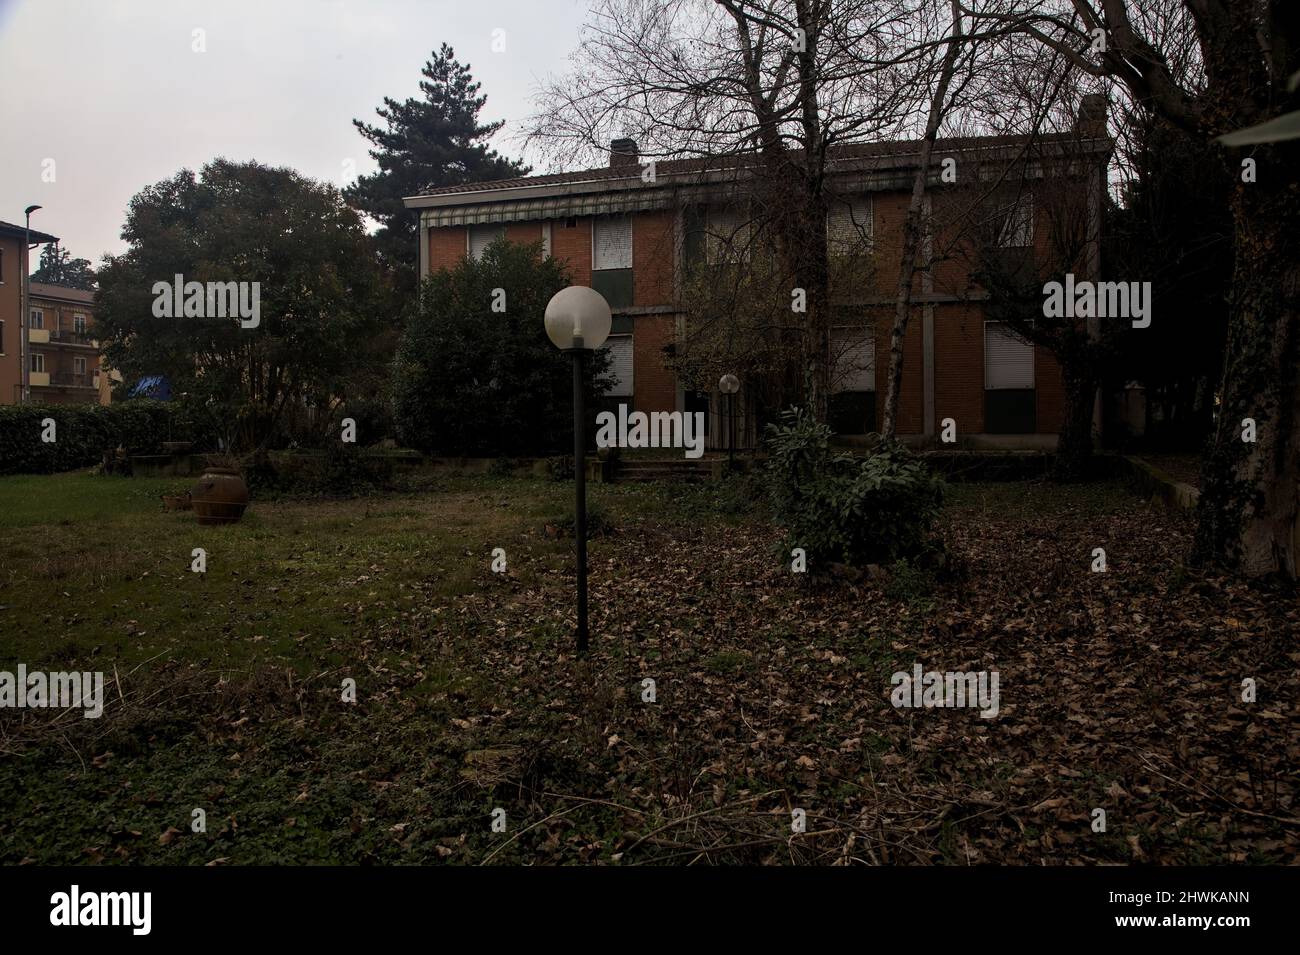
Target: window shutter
x,y
481,236
849,226
1008,359
612,243
854,350
727,239
620,365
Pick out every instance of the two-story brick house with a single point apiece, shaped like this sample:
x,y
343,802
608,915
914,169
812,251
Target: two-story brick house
x,y
633,237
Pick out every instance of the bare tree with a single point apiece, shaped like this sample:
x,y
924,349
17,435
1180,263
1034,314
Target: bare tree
x,y
1212,67
768,89
939,104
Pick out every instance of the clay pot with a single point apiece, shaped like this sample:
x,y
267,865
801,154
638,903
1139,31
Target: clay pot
x,y
220,496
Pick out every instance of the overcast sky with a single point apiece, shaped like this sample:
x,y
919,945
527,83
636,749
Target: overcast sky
x,y
113,92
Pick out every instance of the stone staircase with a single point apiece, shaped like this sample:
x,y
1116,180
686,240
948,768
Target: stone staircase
x,y
683,471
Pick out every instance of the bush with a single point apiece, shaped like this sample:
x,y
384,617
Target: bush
x,y
473,381
837,507
374,418
82,433
562,525
560,468
341,470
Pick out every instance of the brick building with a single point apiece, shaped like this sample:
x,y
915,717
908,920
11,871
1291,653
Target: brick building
x,y
13,266
62,356
633,238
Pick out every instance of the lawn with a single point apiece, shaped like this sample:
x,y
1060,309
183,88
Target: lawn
x,y
1119,690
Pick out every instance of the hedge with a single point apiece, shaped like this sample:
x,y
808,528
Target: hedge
x,y
82,433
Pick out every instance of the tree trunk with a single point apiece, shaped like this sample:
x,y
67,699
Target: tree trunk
x,y
1074,445
912,230
1248,504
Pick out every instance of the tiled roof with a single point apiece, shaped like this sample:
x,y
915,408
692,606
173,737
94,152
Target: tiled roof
x,y
45,290
16,230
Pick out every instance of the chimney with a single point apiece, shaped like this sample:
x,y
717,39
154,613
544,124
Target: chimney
x,y
1092,115
623,154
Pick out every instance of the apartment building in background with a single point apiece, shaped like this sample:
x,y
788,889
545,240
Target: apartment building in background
x,y
62,355
13,266
65,367
634,238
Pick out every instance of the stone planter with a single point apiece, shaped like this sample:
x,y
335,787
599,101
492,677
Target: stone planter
x,y
220,496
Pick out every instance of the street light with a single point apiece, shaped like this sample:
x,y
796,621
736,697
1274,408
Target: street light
x,y
577,322
24,342
729,385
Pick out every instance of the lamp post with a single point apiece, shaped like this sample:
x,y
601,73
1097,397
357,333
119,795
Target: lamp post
x,y
729,385
577,322
24,341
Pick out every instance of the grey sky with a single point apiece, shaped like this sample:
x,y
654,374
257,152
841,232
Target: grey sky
x,y
113,92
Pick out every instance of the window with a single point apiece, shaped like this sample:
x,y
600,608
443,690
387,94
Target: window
x,y
611,259
2,336
1008,358
727,236
1015,223
79,324
852,405
481,236
611,242
38,362
849,227
853,353
78,366
620,365
36,319
1010,405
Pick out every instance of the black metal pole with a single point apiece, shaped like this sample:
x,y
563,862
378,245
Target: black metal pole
x,y
731,434
580,496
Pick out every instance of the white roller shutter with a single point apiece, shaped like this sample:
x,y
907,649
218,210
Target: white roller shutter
x,y
620,365
727,237
611,245
854,352
1008,359
481,236
849,226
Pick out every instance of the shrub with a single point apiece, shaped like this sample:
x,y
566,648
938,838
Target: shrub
x,y
562,525
373,416
472,380
856,510
84,432
341,470
560,468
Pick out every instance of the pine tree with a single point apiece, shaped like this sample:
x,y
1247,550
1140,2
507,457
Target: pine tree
x,y
425,142
58,267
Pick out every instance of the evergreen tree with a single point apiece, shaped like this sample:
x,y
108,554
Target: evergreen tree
x,y
59,268
436,140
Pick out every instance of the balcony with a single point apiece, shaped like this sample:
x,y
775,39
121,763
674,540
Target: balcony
x,y
63,379
67,336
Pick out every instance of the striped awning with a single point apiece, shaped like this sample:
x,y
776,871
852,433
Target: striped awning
x,y
550,207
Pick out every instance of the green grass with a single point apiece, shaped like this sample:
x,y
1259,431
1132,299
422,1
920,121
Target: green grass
x,y
93,564
79,498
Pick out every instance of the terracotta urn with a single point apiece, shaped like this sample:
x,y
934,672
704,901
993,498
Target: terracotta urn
x,y
220,496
